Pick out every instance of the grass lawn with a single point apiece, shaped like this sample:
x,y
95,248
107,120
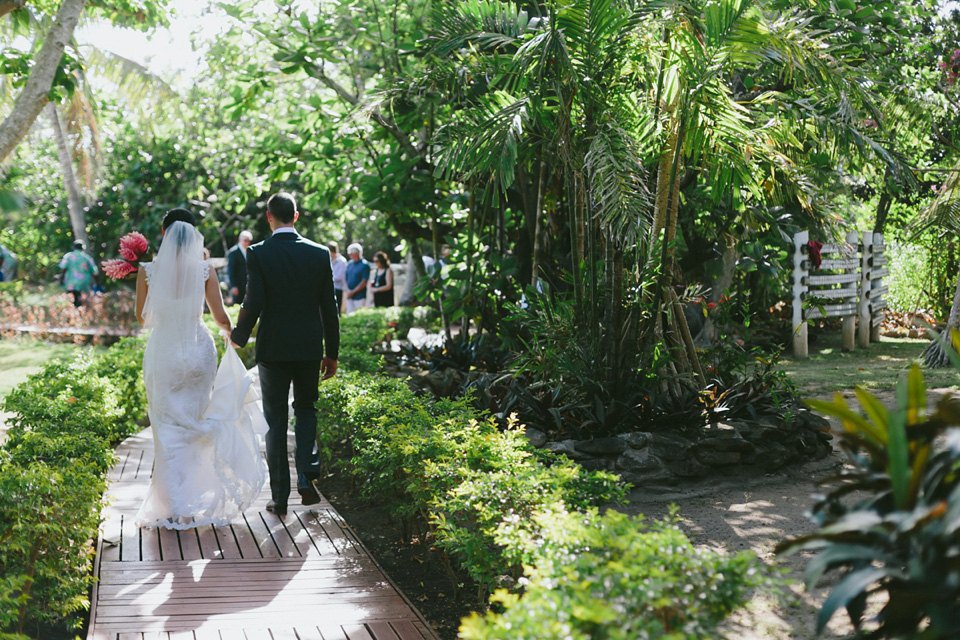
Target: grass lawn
x,y
878,367
21,357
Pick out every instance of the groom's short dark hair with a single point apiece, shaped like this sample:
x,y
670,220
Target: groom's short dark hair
x,y
282,206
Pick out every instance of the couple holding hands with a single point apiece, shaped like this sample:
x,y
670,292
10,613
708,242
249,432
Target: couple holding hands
x,y
205,418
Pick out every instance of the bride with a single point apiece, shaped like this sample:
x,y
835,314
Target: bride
x,y
205,421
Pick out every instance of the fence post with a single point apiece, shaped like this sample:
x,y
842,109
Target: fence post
x,y
877,271
863,331
799,327
849,326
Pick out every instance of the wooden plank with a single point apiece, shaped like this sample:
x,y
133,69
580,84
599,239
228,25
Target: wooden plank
x,y
357,632
300,535
209,545
181,635
169,544
839,278
206,634
228,545
382,631
283,633
190,545
130,539
332,631
848,292
837,263
308,633
149,544
257,634
261,533
246,542
111,536
337,531
407,630
282,539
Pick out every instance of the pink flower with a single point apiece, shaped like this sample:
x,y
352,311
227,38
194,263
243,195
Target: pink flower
x,y
133,246
117,269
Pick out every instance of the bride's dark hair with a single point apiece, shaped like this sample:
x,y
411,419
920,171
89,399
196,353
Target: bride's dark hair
x,y
181,214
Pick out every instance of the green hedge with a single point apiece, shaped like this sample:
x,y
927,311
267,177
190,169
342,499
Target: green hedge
x,y
497,507
64,422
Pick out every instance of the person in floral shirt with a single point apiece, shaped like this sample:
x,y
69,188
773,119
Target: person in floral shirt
x,y
78,271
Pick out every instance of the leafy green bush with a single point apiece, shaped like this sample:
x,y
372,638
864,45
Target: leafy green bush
x,y
614,577
891,523
445,466
67,397
122,363
50,515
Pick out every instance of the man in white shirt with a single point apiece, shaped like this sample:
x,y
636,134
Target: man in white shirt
x,y
339,265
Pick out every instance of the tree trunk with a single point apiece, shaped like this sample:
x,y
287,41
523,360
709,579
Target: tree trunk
x,y
78,220
935,355
883,208
6,6
35,94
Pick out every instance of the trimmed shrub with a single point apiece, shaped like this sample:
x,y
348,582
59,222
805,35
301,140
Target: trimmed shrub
x,y
613,577
50,516
67,397
122,363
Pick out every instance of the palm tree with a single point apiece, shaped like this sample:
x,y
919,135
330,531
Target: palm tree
x,y
580,99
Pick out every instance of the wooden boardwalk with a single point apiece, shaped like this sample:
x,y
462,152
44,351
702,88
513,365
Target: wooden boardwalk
x,y
304,576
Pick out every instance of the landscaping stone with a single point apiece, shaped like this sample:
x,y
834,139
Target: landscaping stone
x,y
536,437
602,446
636,439
671,446
641,461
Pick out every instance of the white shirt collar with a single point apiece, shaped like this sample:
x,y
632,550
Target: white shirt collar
x,y
283,230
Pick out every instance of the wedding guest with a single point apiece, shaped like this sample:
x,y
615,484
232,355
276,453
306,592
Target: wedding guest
x,y
9,268
339,265
78,271
382,284
237,266
357,274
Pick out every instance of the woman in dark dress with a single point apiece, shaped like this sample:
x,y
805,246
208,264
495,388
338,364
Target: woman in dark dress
x,y
382,281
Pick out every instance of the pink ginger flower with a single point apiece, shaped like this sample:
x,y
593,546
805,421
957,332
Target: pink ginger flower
x,y
117,269
133,246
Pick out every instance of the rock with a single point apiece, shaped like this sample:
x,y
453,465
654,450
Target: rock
x,y
636,439
536,437
565,448
719,458
595,464
724,444
688,468
670,446
775,456
638,461
601,446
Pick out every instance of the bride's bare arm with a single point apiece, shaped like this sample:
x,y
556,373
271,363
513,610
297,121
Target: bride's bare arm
x,y
141,293
214,298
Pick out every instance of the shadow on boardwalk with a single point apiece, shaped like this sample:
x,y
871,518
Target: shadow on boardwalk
x,y
303,576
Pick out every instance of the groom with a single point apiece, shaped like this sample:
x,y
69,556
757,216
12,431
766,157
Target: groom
x,y
290,290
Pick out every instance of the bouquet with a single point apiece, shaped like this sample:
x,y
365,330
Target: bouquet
x,y
133,247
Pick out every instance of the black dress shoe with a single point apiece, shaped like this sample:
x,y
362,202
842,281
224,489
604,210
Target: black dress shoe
x,y
308,493
277,509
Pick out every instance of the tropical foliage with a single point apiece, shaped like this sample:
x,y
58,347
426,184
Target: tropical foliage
x,y
889,522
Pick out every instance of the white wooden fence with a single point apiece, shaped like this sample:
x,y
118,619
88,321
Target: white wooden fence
x,y
847,284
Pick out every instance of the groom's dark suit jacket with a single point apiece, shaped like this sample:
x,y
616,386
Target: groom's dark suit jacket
x,y
290,289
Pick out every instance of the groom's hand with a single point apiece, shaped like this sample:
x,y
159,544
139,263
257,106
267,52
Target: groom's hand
x,y
328,368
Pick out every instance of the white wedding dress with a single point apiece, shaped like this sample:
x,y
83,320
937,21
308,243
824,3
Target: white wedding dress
x,y
206,421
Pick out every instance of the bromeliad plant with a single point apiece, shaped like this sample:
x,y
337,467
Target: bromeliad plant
x,y
891,523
